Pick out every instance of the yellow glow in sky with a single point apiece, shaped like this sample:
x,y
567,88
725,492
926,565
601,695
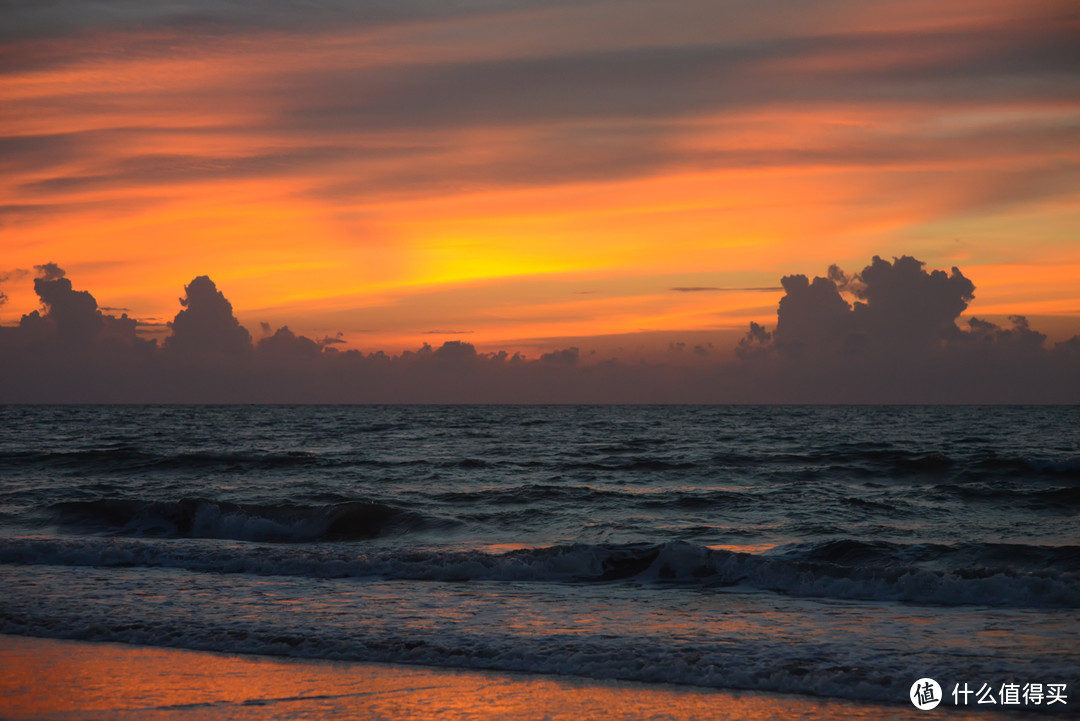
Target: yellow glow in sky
x,y
478,173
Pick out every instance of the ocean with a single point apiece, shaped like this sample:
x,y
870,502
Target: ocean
x,y
837,551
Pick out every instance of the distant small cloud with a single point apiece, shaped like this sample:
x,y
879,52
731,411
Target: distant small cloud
x,y
447,332
567,356
15,274
331,340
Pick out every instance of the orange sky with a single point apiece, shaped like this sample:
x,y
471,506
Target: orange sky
x,y
542,170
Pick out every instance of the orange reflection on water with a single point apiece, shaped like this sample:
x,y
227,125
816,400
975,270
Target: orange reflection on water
x,y
45,678
744,547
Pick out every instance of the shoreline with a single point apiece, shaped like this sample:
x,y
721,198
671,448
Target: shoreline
x,y
43,678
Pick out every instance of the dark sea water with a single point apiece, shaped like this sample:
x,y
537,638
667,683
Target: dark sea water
x,y
835,551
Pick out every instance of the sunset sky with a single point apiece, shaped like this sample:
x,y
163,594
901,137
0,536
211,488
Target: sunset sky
x,y
516,174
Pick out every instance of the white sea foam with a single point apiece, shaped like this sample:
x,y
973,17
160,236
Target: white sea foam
x,y
833,648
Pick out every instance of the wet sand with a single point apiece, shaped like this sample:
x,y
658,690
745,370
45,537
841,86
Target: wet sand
x,y
50,679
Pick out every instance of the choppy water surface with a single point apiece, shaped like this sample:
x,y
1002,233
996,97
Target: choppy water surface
x,y
841,551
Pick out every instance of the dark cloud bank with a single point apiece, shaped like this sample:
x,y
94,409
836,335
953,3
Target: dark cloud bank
x,y
895,341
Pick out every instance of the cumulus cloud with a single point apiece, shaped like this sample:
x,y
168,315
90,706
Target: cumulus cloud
x,y
286,344
72,319
74,313
757,342
69,349
207,324
897,307
890,333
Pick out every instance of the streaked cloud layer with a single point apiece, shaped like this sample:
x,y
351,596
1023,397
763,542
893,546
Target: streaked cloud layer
x,y
534,170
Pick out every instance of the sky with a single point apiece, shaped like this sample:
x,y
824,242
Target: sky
x,y
630,179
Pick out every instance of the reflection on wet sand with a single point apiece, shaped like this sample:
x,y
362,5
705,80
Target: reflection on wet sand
x,y
48,679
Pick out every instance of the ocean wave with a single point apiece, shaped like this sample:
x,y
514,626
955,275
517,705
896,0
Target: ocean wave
x,y
530,493
901,463
616,464
130,458
540,493
1025,466
631,457
1009,575
205,518
1063,498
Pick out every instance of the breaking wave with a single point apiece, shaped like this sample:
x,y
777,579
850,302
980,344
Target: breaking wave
x,y
1009,575
204,518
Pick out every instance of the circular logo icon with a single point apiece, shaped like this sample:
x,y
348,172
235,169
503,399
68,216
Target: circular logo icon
x,y
925,694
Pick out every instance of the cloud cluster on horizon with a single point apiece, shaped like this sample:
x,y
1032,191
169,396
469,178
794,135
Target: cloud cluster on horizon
x,y
896,341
